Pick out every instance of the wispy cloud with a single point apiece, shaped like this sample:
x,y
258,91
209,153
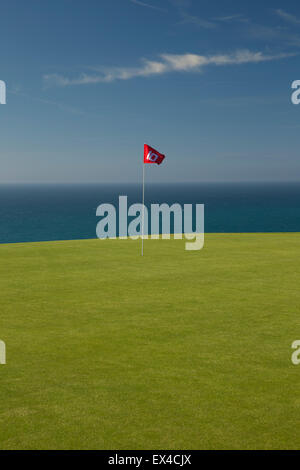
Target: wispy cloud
x,y
187,18
237,16
180,3
287,16
165,64
276,34
147,5
17,91
182,7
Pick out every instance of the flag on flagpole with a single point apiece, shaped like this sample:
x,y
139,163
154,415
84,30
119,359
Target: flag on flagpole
x,y
152,156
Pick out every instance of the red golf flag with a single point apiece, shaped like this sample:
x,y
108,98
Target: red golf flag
x,y
152,156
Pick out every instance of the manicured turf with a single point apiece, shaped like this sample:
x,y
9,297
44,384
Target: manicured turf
x,y
176,350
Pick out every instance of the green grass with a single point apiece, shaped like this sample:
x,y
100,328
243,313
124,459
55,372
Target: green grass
x,y
175,350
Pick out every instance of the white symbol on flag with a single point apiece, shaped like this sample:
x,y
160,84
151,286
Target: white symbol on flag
x,y
152,157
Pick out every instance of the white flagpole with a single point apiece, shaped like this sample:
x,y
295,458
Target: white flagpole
x,y
143,209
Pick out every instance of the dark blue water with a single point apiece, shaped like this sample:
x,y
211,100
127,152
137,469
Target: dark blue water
x,y
63,212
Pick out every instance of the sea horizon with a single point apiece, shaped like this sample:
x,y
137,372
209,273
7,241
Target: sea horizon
x,y
67,211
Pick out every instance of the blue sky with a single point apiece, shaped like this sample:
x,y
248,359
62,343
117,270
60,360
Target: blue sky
x,y
206,82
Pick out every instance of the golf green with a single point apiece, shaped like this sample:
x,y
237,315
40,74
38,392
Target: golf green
x,y
174,350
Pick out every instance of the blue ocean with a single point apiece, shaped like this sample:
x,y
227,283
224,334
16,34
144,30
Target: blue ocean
x,y
66,211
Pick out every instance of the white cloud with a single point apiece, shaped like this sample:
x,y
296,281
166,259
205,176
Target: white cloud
x,y
187,18
166,63
237,16
287,16
147,5
182,7
183,62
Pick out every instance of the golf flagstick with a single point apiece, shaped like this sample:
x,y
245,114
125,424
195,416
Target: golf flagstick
x,y
143,209
150,156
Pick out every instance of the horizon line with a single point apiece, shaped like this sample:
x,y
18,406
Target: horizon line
x,y
66,183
